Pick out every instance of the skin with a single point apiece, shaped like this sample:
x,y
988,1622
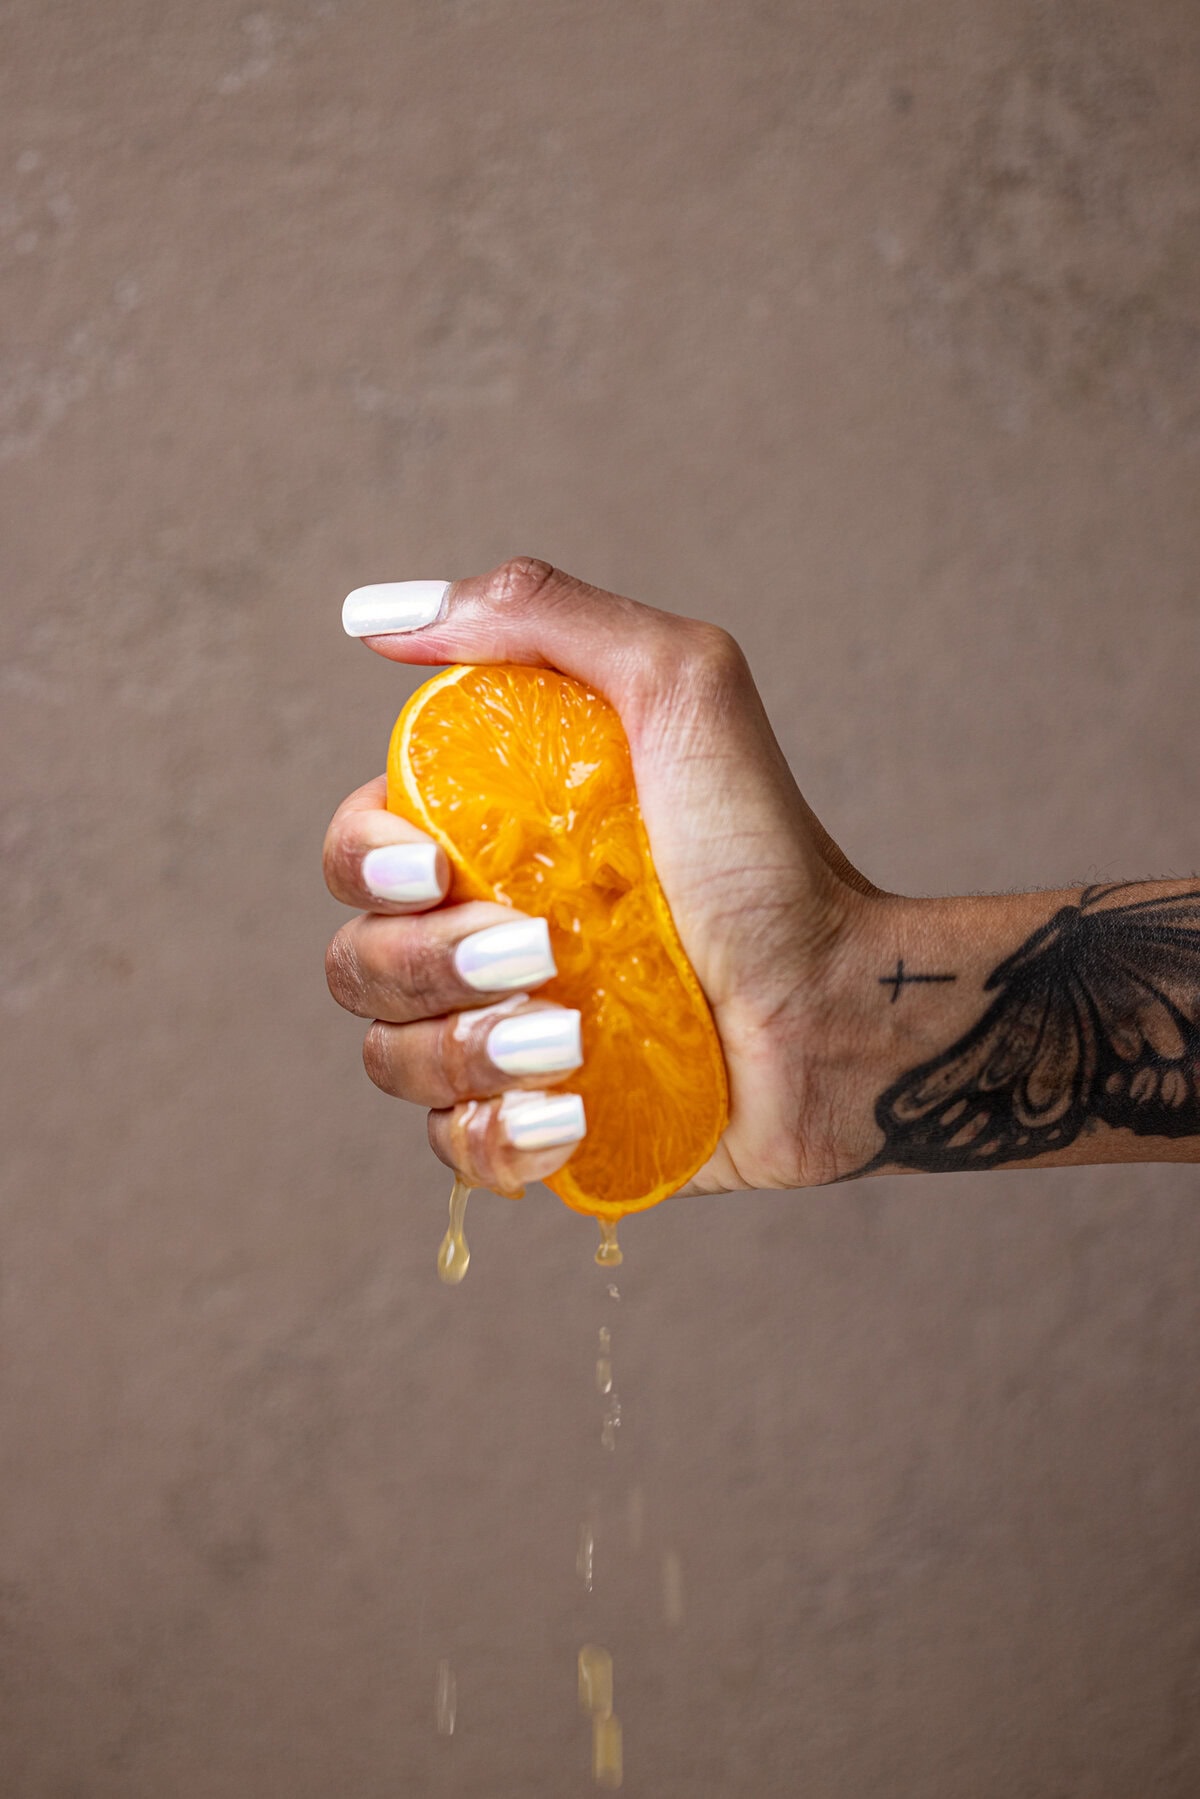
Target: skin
x,y
792,945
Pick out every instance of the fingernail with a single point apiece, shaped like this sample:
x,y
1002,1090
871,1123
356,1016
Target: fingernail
x,y
403,871
542,1120
506,956
543,1042
392,606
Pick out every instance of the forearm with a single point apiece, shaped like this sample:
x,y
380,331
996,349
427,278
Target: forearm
x,y
1037,1029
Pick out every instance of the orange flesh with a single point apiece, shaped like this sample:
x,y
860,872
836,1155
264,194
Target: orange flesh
x,y
524,777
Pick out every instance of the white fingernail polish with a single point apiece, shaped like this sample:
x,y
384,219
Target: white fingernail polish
x,y
506,956
542,1120
392,606
403,871
543,1042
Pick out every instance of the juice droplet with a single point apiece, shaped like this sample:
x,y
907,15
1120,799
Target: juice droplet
x,y
607,1757
611,1423
595,1681
585,1555
454,1257
604,1362
445,1698
609,1253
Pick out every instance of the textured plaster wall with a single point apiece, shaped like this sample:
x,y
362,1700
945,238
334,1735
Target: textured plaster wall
x,y
872,330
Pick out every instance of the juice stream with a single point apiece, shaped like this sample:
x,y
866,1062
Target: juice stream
x,y
595,1663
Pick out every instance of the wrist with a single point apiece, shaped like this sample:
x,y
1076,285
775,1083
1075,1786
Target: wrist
x,y
904,980
844,1034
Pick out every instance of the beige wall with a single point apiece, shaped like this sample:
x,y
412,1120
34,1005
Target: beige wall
x,y
872,330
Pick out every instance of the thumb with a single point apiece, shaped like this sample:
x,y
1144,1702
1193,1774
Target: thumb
x,y
528,612
729,831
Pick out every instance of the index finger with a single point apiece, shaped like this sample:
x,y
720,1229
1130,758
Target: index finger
x,y
381,863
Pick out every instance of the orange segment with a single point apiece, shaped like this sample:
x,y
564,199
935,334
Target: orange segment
x,y
524,777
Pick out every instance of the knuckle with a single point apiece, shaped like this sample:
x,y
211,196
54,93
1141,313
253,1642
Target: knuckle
x,y
339,862
690,666
520,580
343,974
714,657
377,1059
406,1061
416,972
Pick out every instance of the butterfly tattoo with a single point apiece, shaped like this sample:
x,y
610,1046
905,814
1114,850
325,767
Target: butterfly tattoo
x,y
1096,1016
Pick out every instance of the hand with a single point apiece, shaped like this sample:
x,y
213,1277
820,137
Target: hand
x,y
763,901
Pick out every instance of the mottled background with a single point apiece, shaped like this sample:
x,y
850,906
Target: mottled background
x,y
871,330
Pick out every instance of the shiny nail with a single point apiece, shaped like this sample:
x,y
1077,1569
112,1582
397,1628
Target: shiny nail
x,y
542,1120
543,1042
404,871
392,606
506,956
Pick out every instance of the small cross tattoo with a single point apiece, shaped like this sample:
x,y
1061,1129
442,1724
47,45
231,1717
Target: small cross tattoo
x,y
900,979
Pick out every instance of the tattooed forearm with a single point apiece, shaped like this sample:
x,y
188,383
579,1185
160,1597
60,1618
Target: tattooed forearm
x,y
1095,1021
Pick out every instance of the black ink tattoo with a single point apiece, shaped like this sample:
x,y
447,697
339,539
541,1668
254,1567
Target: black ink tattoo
x,y
900,979
1097,1020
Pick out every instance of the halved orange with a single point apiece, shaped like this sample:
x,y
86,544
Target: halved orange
x,y
524,777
